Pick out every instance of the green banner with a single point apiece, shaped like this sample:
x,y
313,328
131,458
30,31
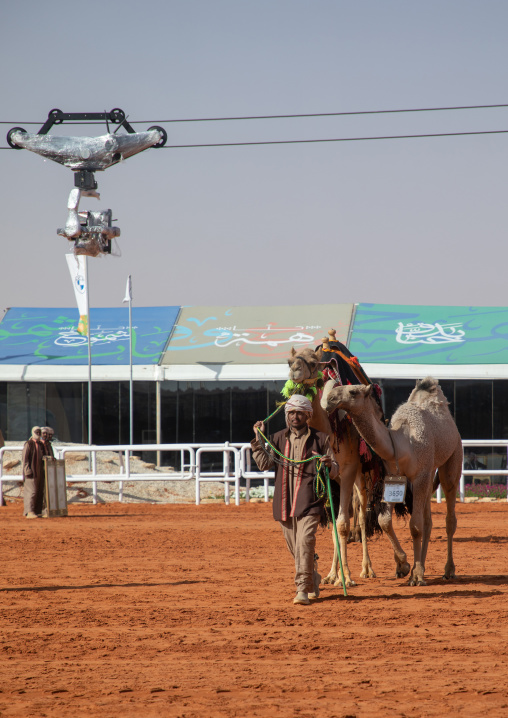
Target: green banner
x,y
409,334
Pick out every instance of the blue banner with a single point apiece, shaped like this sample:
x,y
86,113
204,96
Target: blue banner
x,y
48,336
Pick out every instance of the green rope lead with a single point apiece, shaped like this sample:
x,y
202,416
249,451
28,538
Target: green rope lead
x,y
329,487
286,458
330,499
274,412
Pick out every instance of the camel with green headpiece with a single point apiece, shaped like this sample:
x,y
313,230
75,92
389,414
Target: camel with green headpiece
x,y
306,377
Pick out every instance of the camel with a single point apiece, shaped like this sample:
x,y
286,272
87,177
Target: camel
x,y
303,370
421,438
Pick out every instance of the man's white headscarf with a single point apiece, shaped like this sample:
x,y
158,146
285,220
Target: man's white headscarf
x,y
298,403
34,435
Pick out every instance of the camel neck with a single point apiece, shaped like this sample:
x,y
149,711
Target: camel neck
x,y
375,434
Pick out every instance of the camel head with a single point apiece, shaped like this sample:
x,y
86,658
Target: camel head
x,y
350,398
303,366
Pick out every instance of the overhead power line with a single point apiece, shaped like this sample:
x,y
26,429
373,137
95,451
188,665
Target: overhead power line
x,y
332,139
280,117
338,139
327,114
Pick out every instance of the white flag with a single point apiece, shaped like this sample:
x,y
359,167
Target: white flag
x,y
128,290
76,266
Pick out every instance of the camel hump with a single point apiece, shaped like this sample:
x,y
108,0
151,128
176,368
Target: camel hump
x,y
426,392
428,384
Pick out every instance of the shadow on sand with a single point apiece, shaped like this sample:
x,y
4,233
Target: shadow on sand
x,y
481,539
424,593
95,585
410,596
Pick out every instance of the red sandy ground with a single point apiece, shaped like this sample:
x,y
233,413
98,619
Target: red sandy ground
x,y
179,610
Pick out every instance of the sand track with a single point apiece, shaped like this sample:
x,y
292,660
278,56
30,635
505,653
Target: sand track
x,y
176,610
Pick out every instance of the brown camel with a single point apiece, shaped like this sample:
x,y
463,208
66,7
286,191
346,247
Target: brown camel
x,y
422,437
303,370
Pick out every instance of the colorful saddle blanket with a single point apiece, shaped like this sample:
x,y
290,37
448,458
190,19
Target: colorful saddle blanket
x,y
341,365
344,368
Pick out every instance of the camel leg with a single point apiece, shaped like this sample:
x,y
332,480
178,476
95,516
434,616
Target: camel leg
x,y
333,574
333,577
449,477
402,568
451,525
427,528
346,487
361,491
355,535
418,525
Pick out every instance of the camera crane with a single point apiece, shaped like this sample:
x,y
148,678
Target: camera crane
x,y
91,232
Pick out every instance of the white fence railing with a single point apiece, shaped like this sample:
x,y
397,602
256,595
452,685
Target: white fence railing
x,y
236,465
187,465
478,472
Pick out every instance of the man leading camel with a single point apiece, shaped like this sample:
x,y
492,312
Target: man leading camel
x,y
295,504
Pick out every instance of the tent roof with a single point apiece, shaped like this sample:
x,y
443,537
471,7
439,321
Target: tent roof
x,y
252,343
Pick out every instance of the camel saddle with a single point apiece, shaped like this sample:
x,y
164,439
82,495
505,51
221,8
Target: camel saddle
x,y
341,364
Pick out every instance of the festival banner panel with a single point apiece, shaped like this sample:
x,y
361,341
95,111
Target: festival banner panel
x,y
400,334
252,335
31,336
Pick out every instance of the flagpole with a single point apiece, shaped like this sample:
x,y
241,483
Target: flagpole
x,y
128,298
89,355
131,388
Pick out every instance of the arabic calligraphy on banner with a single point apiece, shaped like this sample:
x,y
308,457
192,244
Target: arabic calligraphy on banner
x,y
422,333
48,336
248,335
269,337
70,337
391,334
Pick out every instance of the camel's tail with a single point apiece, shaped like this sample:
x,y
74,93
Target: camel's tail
x,y
436,482
377,506
407,506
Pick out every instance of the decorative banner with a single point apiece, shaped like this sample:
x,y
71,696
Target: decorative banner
x,y
77,269
252,335
398,334
128,291
49,336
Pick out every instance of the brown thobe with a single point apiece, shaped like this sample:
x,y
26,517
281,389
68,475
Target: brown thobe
x,y
295,503
33,476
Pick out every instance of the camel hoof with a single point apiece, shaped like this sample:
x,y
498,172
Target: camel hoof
x,y
402,570
449,576
329,579
368,573
349,583
417,582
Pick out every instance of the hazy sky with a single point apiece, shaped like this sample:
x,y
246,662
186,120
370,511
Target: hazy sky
x,y
418,221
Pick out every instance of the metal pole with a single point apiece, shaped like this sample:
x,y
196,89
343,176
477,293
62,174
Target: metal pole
x,y
89,355
158,419
131,392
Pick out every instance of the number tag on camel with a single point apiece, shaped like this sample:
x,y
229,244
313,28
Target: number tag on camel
x,y
394,491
